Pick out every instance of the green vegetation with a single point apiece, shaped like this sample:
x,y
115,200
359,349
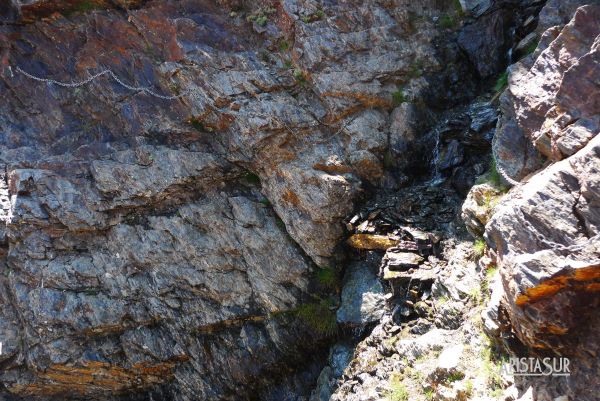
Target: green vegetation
x,y
479,247
280,223
416,69
284,45
83,7
261,17
502,82
316,16
265,201
397,391
469,387
458,7
492,366
198,125
429,394
299,76
531,47
398,97
454,377
494,178
319,316
251,178
287,64
447,21
328,277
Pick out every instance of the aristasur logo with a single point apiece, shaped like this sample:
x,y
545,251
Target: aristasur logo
x,y
557,366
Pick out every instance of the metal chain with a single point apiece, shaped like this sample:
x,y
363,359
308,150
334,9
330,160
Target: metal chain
x,y
111,74
535,232
499,168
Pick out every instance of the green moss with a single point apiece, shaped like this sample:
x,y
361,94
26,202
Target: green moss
x,y
265,202
320,14
398,390
287,64
328,277
319,316
501,82
398,97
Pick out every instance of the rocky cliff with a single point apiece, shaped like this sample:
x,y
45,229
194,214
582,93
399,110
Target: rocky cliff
x,y
183,183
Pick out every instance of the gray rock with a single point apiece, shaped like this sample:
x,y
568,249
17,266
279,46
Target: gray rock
x,y
485,42
363,298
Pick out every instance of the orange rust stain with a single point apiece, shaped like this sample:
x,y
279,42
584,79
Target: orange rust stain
x,y
369,101
578,279
291,197
98,377
587,273
333,168
370,241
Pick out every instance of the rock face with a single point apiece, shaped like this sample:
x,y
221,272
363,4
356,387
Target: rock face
x,y
546,231
543,105
159,218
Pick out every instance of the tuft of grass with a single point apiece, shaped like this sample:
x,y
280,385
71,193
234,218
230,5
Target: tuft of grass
x,y
316,16
398,97
492,367
454,377
531,47
319,316
284,45
479,247
429,394
398,390
469,387
502,82
328,277
299,76
495,176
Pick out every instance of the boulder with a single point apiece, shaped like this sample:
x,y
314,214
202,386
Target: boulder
x,y
546,236
479,207
363,298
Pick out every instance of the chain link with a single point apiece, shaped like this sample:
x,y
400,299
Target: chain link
x,y
111,74
501,170
535,232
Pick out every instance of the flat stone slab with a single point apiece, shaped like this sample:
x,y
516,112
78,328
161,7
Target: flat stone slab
x,y
402,261
372,241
